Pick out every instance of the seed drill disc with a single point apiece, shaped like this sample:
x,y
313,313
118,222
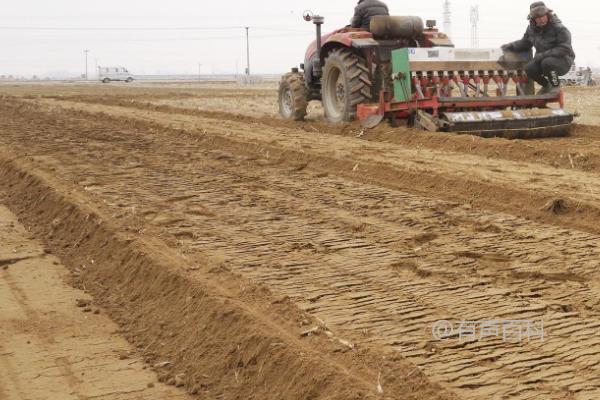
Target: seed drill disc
x,y
371,121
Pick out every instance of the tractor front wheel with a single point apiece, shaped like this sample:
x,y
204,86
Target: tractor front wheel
x,y
293,99
345,85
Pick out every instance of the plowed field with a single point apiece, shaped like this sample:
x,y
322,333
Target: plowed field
x,y
265,259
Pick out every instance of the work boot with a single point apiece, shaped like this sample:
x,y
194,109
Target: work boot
x,y
544,90
554,79
544,82
553,90
549,89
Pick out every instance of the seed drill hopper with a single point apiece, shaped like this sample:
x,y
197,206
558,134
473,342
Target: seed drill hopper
x,y
404,70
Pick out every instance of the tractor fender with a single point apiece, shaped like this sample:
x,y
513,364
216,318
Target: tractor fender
x,y
357,39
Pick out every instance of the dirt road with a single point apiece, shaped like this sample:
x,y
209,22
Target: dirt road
x,y
51,349
376,236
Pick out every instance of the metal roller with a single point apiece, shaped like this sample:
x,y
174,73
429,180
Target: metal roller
x,y
511,124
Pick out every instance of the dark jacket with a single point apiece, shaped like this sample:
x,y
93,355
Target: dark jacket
x,y
365,10
552,40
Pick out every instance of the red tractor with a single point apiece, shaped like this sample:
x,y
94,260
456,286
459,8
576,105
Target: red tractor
x,y
351,66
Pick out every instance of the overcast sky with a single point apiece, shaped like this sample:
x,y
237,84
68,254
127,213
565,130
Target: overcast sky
x,y
157,36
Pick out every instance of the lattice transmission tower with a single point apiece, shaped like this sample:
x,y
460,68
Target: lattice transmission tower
x,y
447,19
474,27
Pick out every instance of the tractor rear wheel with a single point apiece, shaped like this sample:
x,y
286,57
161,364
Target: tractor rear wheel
x,y
293,100
345,85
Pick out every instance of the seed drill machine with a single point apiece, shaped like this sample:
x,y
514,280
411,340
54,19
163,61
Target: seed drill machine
x,y
405,69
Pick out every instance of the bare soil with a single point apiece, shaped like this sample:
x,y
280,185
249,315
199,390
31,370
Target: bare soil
x,y
55,343
267,259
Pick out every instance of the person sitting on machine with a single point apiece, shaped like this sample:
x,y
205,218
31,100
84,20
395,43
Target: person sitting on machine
x,y
367,9
554,54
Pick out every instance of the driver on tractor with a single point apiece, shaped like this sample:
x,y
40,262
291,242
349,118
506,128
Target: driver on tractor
x,y
367,9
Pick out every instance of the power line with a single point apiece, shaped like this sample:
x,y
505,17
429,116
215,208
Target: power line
x,y
215,28
196,38
49,28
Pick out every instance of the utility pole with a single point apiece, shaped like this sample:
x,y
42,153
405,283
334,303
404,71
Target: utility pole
x,y
199,72
474,26
447,19
248,50
86,51
97,70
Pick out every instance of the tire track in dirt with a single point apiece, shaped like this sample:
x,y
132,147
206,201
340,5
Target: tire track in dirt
x,y
139,92
581,150
365,258
519,188
237,326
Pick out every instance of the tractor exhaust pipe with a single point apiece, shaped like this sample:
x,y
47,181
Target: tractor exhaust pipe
x,y
318,21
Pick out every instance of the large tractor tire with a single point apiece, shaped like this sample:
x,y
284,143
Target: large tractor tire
x,y
293,99
345,85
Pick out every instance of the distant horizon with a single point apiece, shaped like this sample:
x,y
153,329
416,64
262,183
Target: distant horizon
x,y
48,38
65,74
164,76
167,74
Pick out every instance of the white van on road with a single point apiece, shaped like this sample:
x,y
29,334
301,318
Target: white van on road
x,y
107,74
578,76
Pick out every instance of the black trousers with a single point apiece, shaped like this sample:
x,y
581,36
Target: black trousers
x,y
539,71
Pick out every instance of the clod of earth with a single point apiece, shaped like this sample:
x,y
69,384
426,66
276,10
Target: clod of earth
x,y
179,380
556,206
82,303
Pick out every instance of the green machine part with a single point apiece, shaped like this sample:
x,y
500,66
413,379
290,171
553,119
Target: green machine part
x,y
401,70
402,74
